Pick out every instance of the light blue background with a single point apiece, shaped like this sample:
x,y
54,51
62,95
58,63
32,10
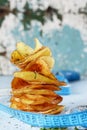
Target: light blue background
x,y
66,44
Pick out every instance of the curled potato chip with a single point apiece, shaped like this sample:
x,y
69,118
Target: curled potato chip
x,y
23,63
40,66
49,61
55,110
35,77
34,91
34,99
44,108
24,49
31,99
16,56
35,108
18,83
25,88
38,45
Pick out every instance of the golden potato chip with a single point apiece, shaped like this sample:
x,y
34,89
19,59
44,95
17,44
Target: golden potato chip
x,y
43,86
34,99
44,108
16,56
20,106
43,51
56,110
18,83
34,76
46,99
49,61
39,66
37,99
34,91
38,108
55,99
24,49
38,45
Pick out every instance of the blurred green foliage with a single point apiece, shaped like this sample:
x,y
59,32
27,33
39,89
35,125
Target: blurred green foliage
x,y
28,14
4,2
1,20
53,129
39,15
57,128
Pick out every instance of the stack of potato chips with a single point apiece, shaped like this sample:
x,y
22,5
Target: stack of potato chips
x,y
34,85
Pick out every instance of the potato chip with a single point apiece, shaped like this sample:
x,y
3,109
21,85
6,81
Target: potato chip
x,y
24,49
26,89
40,66
38,45
34,91
56,110
18,83
43,51
34,99
16,56
43,107
48,60
34,76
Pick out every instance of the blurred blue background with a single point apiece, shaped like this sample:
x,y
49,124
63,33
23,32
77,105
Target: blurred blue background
x,y
59,24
